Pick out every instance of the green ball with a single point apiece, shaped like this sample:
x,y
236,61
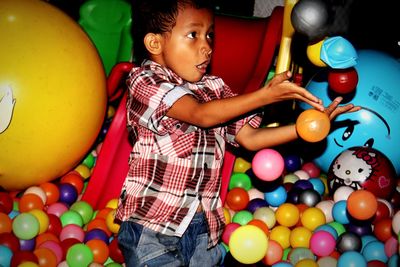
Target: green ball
x,y
71,217
25,226
79,255
239,179
242,217
84,209
339,228
89,161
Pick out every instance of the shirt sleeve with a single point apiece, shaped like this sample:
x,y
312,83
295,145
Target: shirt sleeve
x,y
150,97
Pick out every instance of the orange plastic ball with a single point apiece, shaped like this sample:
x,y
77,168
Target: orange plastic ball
x,y
29,202
274,253
260,224
74,178
98,223
52,192
5,223
237,198
362,204
100,250
46,257
313,125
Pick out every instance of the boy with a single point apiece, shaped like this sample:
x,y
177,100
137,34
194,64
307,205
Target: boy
x,y
181,119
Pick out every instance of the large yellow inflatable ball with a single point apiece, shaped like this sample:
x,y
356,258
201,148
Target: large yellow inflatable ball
x,y
52,93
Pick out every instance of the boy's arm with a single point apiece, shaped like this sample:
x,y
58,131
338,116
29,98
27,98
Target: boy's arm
x,y
216,112
255,139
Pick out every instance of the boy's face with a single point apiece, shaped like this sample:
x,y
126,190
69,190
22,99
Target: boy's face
x,y
187,48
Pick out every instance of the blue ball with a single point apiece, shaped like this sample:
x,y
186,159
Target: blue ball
x,y
351,259
376,124
5,255
292,163
277,197
318,185
339,212
375,250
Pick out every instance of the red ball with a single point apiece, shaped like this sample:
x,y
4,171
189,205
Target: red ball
x,y
55,225
6,202
10,240
237,198
343,81
23,256
115,252
383,229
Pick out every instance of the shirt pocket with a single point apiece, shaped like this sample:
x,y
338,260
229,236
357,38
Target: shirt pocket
x,y
178,142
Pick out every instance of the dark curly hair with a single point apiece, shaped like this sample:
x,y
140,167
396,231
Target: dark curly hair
x,y
157,16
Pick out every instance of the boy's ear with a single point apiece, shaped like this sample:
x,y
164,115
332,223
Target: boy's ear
x,y
153,44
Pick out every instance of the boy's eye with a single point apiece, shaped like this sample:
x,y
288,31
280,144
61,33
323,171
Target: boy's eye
x,y
192,35
210,35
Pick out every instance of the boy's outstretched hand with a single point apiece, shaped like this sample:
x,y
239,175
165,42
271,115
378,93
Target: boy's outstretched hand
x,y
333,110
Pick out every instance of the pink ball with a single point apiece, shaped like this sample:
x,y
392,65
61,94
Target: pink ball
x,y
55,247
268,164
322,243
228,230
57,209
72,231
311,169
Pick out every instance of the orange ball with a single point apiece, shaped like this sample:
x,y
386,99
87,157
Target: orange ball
x,y
46,257
362,204
100,250
75,179
274,253
287,214
383,229
237,198
5,223
260,224
313,125
52,192
98,223
29,202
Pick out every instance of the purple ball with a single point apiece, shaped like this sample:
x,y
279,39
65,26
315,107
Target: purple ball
x,y
292,163
256,203
68,193
361,229
27,245
303,184
96,234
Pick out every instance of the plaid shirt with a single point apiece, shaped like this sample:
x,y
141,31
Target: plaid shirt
x,y
174,166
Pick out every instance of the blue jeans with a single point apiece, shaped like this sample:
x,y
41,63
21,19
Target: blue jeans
x,y
143,247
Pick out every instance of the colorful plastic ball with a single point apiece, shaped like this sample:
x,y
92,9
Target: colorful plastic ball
x,y
393,261
267,215
115,251
268,164
281,234
96,234
300,237
327,261
57,209
79,255
99,249
391,246
274,253
255,193
84,209
256,203
292,162
342,193
326,207
10,240
297,254
72,231
71,217
51,191
25,226
339,212
50,145
55,225
242,217
112,225
55,247
5,255
260,224
287,214
99,223
327,228
396,222
241,165
228,230
383,229
5,223
310,197
350,259
46,236
303,184
282,264
311,168
313,125
68,193
42,218
318,185
27,245
303,175
248,244
375,250
290,178
240,179
310,18
348,242
306,263
322,243
73,178
314,53
362,204
237,198
46,257
360,228
384,210
343,81
276,197
312,218
20,257
6,202
37,191
67,243
29,202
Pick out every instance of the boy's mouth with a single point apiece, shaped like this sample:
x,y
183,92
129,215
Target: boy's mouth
x,y
204,65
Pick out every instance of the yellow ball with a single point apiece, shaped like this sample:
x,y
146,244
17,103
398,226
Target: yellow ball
x,y
287,214
306,263
52,93
300,237
314,54
312,217
241,165
111,225
227,216
281,234
42,218
112,203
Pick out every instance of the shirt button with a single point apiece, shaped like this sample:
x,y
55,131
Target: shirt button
x,y
205,166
